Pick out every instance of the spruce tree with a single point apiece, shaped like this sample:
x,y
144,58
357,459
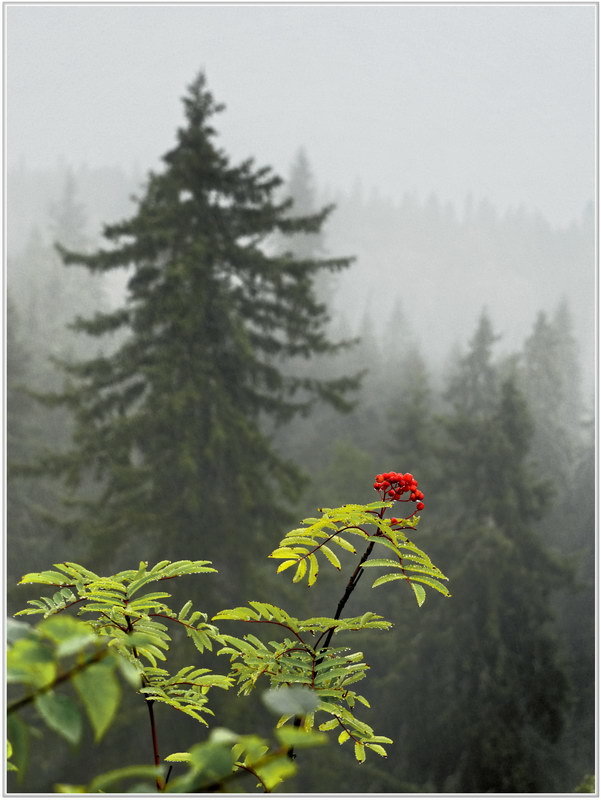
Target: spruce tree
x,y
551,381
172,424
488,660
301,188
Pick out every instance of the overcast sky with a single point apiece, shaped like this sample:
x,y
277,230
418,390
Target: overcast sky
x,y
497,100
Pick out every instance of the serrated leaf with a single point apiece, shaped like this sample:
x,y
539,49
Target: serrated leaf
x,y
313,568
433,583
185,610
290,540
381,562
389,577
359,752
343,736
178,757
329,725
420,593
300,571
49,577
332,557
285,564
288,552
342,542
377,748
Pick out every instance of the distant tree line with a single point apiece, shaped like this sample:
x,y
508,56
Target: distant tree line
x,y
226,379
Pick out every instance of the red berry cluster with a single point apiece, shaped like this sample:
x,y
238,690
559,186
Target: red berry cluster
x,y
394,485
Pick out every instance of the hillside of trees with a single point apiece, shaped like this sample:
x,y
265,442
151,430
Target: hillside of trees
x,y
159,410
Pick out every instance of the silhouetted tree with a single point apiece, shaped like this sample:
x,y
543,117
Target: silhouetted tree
x,y
487,661
172,423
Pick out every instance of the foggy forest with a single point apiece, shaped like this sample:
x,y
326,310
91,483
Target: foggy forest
x,y
205,351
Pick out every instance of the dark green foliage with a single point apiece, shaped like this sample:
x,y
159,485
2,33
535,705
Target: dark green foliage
x,y
492,672
26,497
551,381
172,424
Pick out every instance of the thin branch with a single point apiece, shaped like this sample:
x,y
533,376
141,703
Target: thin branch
x,y
65,676
353,581
282,625
243,767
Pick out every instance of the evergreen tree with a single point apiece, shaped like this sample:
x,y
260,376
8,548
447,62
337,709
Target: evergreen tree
x,y
24,496
576,611
551,381
301,188
487,660
411,435
172,423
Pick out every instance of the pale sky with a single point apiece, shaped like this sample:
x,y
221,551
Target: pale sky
x,y
493,99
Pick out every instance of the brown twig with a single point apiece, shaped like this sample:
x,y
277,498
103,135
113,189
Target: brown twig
x,y
65,676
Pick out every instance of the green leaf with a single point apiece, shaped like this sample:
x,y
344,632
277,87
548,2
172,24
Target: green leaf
x,y
185,610
30,661
297,737
343,736
332,557
420,593
49,577
285,564
341,542
381,562
102,782
70,788
377,749
178,757
313,568
389,577
288,552
275,771
300,571
9,751
100,693
61,714
359,752
70,634
329,725
433,583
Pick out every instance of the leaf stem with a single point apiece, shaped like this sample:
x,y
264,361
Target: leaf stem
x,y
353,581
160,783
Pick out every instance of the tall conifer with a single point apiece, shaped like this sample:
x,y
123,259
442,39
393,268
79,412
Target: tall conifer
x,y
172,424
489,662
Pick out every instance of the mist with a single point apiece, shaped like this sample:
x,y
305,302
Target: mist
x,y
455,148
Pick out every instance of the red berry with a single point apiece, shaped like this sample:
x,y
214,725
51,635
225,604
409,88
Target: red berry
x,y
419,506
